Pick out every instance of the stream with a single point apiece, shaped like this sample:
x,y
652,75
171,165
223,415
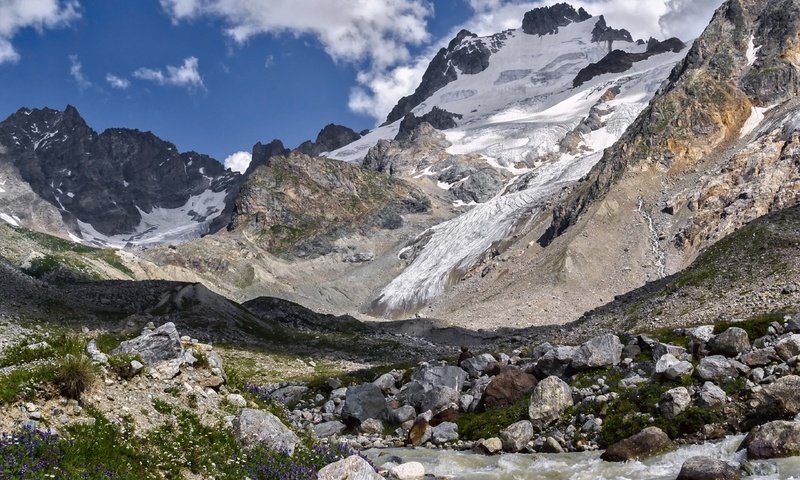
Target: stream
x,y
580,466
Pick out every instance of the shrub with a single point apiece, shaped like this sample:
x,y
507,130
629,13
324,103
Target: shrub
x,y
75,374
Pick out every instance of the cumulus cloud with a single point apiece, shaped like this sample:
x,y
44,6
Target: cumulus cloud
x,y
687,18
76,72
238,162
117,82
186,75
378,32
16,15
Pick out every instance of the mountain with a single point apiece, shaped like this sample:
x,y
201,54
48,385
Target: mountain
x,y
118,187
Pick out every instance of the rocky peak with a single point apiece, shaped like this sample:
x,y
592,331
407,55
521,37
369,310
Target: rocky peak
x,y
546,20
603,33
262,154
438,118
330,138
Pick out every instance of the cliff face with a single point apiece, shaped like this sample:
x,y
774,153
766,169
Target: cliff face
x,y
303,203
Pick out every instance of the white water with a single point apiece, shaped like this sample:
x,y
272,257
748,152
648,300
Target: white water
x,y
577,466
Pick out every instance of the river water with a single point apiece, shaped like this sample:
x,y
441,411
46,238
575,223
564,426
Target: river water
x,y
580,466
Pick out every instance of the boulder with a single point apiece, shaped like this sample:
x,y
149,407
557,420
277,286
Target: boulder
x,y
255,427
420,432
508,388
351,468
707,468
407,471
289,395
776,401
679,370
730,343
555,362
445,432
371,426
328,429
776,439
515,438
363,402
788,347
549,400
444,375
385,382
716,367
602,351
674,401
665,362
649,442
760,358
712,396
439,398
94,353
476,365
403,414
154,346
661,349
490,445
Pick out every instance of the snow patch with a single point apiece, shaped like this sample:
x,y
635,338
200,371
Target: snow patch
x,y
10,219
754,120
752,51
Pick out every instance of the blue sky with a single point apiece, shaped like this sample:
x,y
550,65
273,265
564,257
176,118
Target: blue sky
x,y
217,76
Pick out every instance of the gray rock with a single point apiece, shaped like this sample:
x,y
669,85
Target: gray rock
x,y
712,396
407,471
445,432
490,445
647,443
161,344
351,468
475,366
551,445
730,343
665,362
363,402
674,401
602,351
385,382
445,376
515,438
95,354
777,400
661,349
549,400
679,370
776,439
707,468
328,429
439,398
253,427
465,402
371,426
788,347
403,414
760,357
716,367
290,394
236,400
555,362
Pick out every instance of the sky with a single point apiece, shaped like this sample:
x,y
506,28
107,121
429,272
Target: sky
x,y
217,76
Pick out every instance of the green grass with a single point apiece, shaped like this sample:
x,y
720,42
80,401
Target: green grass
x,y
25,383
488,424
755,327
58,345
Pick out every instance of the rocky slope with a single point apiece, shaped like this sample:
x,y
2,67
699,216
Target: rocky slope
x,y
118,187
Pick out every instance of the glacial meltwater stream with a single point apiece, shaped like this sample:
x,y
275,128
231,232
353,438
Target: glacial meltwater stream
x,y
581,466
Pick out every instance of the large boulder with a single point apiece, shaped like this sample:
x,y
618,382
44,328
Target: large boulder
x,y
555,362
602,351
716,367
420,432
788,347
649,442
475,366
707,468
778,400
445,432
551,397
351,468
508,388
442,375
730,343
776,439
760,358
362,402
712,396
254,427
438,399
674,401
163,343
516,437
328,429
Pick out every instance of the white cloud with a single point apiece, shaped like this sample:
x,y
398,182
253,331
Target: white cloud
x,y
379,90
186,75
117,82
239,161
76,72
376,31
39,14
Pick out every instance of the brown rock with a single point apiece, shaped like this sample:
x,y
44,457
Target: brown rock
x,y
212,382
647,443
508,388
773,440
420,432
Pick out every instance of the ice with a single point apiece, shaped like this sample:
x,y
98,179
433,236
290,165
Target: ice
x,y
754,120
10,219
162,225
752,51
